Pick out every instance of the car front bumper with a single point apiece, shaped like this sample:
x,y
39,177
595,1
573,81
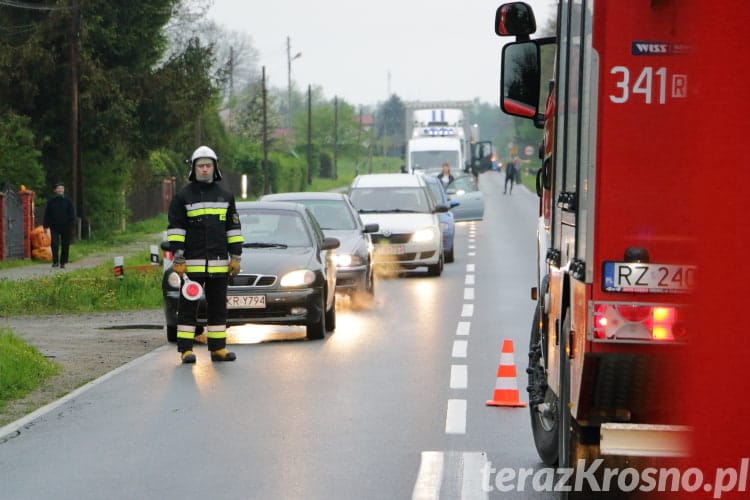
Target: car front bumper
x,y
279,310
351,279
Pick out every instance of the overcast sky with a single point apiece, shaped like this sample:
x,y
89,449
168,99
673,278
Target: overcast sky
x,y
432,49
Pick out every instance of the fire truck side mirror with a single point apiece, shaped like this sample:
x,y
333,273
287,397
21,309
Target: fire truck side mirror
x,y
515,18
519,80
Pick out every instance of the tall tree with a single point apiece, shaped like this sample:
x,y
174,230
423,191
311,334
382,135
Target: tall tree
x,y
390,124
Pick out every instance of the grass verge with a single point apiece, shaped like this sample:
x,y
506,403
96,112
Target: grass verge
x,y
348,168
85,290
22,368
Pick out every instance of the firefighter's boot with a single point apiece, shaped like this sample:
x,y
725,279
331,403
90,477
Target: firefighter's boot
x,y
188,357
222,355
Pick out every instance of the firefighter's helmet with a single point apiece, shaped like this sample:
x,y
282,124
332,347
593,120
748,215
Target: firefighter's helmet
x,y
204,152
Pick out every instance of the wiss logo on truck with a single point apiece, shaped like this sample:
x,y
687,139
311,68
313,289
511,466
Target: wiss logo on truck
x,y
615,253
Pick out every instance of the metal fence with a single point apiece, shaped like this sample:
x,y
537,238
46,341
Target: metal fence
x,y
11,226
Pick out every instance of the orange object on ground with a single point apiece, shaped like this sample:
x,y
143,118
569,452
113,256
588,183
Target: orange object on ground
x,y
506,386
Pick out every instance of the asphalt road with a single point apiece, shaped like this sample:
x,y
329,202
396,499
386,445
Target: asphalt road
x,y
390,406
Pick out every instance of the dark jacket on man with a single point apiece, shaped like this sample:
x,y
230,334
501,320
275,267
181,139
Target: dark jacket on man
x,y
59,212
203,222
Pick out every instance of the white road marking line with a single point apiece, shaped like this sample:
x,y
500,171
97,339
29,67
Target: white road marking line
x,y
430,476
463,328
459,377
470,268
472,247
468,294
467,311
469,279
472,254
459,348
455,420
472,240
473,465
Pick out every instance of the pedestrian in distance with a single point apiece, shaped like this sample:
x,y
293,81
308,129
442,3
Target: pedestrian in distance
x,y
59,217
445,175
205,235
511,170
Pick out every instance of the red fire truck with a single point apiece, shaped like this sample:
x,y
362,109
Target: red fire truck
x,y
616,254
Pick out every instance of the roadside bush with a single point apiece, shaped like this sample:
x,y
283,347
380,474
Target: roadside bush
x,y
287,173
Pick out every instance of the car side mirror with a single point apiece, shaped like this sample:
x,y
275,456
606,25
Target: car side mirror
x,y
441,208
330,243
371,228
455,203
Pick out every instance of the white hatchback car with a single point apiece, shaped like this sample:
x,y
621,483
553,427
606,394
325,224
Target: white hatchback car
x,y
409,234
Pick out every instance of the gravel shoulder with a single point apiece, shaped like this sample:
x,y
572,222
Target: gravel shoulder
x,y
86,346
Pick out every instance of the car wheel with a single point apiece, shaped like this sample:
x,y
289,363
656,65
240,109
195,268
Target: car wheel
x,y
436,269
449,255
317,330
172,333
331,317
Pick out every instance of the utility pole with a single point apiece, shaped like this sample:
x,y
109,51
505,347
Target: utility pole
x,y
335,136
289,60
359,144
75,156
266,175
309,136
231,86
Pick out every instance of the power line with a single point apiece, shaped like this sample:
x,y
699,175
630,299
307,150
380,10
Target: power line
x,y
34,6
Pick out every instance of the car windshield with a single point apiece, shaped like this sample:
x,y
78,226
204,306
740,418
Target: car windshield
x,y
433,159
390,199
331,214
273,228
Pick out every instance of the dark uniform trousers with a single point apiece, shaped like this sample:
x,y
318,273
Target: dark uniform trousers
x,y
215,290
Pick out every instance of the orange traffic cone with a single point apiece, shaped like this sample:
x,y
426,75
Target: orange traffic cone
x,y
506,387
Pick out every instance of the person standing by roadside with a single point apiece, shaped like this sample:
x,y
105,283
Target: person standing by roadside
x,y
445,175
511,169
205,235
59,216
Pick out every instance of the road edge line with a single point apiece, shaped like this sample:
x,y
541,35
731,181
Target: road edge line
x,y
15,426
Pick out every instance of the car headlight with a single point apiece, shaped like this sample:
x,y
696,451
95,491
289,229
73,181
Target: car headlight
x,y
299,277
423,235
347,260
174,280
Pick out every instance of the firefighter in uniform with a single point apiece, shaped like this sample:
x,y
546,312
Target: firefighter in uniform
x,y
204,234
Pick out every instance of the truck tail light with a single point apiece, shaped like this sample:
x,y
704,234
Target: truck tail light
x,y
637,322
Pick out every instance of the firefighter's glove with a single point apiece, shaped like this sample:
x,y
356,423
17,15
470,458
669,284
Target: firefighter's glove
x,y
234,265
178,264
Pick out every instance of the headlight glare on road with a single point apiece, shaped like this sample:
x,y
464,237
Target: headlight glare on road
x,y
423,235
173,280
299,277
